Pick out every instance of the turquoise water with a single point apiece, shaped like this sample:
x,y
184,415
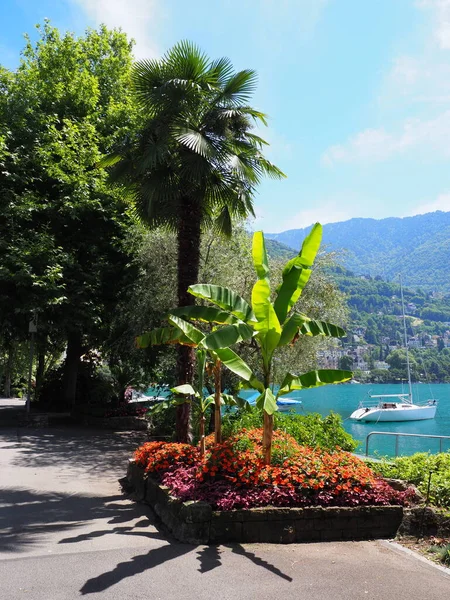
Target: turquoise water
x,y
344,399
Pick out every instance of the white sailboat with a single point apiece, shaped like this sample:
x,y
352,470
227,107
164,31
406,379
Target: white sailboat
x,y
396,407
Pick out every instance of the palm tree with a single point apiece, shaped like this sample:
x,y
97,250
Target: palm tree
x,y
196,161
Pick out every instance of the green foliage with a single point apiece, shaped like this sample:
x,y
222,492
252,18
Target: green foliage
x,y
272,323
63,232
417,468
309,430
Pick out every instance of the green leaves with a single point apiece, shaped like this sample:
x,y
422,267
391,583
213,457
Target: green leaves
x,y
267,326
312,379
205,314
267,402
259,255
296,274
235,363
228,336
224,298
298,323
162,336
191,332
184,390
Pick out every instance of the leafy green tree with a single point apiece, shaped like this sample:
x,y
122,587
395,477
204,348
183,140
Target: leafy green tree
x,y
346,363
63,231
195,163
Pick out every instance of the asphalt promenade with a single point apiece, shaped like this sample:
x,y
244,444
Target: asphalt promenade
x,y
67,531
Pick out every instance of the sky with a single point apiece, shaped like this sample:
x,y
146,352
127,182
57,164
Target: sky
x,y
357,92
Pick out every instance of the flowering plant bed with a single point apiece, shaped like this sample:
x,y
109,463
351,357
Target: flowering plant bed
x,y
229,494
233,475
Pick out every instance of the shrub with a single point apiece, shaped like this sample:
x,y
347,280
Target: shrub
x,y
416,469
309,430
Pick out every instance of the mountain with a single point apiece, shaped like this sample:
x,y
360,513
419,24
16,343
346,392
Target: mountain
x,y
418,247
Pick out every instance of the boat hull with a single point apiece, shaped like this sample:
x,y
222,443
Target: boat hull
x,y
400,413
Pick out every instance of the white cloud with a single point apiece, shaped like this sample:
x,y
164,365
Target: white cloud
x,y
440,10
375,145
414,85
138,18
442,202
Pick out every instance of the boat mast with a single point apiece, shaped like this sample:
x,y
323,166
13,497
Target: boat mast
x,y
406,342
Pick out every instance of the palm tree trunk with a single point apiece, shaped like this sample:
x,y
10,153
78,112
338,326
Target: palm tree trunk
x,y
188,268
8,371
74,351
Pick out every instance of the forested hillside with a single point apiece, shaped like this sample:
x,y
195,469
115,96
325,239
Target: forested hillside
x,y
418,246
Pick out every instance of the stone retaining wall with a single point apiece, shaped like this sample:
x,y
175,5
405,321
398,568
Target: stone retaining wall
x,y
196,522
420,521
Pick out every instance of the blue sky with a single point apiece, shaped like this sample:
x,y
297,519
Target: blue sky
x,y
358,92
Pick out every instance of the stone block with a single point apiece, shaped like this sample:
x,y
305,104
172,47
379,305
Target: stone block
x,y
195,512
192,533
223,532
272,532
137,479
306,533
151,493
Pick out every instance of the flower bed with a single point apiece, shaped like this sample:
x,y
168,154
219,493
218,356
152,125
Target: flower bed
x,y
233,475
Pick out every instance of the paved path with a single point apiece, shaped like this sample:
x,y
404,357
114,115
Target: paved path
x,y
66,531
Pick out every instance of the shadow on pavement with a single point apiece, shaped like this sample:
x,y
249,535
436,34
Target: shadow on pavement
x,y
89,449
28,516
209,557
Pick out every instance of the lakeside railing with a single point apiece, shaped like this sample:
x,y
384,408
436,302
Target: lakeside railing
x,y
397,435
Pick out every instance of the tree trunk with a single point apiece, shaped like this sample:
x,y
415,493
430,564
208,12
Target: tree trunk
x,y
217,404
8,372
188,268
71,368
40,372
267,437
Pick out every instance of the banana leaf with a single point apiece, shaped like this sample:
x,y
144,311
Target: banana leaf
x,y
206,314
267,402
162,336
312,379
224,298
227,336
259,255
298,323
296,274
191,332
235,363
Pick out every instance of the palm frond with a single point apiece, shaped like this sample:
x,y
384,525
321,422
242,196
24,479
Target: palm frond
x,y
109,160
240,87
187,60
223,223
221,70
195,141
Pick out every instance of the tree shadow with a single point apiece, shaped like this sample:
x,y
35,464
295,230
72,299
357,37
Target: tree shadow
x,y
27,517
73,448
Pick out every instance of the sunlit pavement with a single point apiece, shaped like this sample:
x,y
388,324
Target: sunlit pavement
x,y
67,531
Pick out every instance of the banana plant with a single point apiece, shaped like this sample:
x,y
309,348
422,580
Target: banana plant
x,y
183,332
272,324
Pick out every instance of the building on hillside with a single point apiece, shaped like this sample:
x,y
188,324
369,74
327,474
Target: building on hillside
x,y
381,364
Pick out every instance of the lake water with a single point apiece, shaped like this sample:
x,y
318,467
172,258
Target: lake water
x,y
344,399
